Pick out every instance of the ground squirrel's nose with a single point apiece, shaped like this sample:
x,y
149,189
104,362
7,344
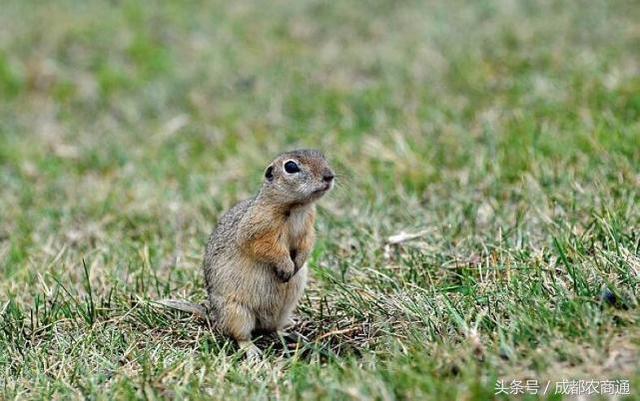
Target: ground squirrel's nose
x,y
328,177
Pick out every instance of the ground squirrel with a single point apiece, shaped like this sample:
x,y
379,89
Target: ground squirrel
x,y
255,261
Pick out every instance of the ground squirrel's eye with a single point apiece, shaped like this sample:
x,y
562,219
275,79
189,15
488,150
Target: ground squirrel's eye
x,y
269,173
291,167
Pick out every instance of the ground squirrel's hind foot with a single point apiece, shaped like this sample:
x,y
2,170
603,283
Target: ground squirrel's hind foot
x,y
251,351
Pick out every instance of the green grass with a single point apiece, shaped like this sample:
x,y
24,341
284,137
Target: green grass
x,y
506,132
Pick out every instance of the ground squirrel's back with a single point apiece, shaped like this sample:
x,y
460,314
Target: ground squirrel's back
x,y
254,263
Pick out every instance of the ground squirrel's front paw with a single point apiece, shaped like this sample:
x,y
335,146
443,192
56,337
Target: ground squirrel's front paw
x,y
300,260
285,271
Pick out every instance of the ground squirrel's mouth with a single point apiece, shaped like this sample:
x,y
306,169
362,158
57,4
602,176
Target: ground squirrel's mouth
x,y
324,188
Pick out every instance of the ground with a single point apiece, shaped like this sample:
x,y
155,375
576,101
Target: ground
x,y
504,135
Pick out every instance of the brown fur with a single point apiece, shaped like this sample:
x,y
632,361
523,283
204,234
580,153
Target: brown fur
x,y
255,261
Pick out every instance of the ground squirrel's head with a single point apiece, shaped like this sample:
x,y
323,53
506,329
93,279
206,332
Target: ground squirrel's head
x,y
299,176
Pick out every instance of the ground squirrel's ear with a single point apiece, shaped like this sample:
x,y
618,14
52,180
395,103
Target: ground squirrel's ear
x,y
269,173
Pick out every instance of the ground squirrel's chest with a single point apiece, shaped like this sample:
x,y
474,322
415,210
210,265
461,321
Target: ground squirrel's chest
x,y
299,223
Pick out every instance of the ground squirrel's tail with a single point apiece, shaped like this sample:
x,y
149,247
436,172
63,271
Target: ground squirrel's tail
x,y
184,306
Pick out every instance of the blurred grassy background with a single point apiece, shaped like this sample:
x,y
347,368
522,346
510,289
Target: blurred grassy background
x,y
506,131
